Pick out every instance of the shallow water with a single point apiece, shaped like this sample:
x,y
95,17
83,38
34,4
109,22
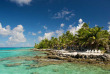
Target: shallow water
x,y
64,68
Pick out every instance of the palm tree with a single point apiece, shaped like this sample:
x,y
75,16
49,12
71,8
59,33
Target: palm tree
x,y
92,37
54,42
69,39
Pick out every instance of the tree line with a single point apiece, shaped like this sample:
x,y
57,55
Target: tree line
x,y
86,38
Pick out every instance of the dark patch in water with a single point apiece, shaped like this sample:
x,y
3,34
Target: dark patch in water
x,y
12,65
55,70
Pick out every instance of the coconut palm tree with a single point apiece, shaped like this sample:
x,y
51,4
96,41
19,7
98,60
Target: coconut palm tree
x,y
92,38
69,39
54,42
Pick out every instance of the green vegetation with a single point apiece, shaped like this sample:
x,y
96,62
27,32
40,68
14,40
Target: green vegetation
x,y
86,38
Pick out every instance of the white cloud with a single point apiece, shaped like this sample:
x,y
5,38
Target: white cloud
x,y
51,34
70,16
40,38
109,28
75,29
33,33
80,20
39,32
45,27
62,25
22,2
46,35
109,23
64,14
59,32
4,31
70,26
16,35
96,25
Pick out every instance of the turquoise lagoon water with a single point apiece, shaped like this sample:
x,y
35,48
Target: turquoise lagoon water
x,y
64,68
13,52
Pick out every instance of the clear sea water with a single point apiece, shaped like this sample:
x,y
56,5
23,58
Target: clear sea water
x,y
64,68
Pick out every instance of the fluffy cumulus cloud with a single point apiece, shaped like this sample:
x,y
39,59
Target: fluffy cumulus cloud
x,y
4,31
40,38
59,32
46,35
109,29
62,25
15,35
22,2
109,23
64,14
76,28
80,21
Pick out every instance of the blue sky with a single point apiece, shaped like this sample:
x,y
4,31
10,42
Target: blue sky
x,y
24,22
